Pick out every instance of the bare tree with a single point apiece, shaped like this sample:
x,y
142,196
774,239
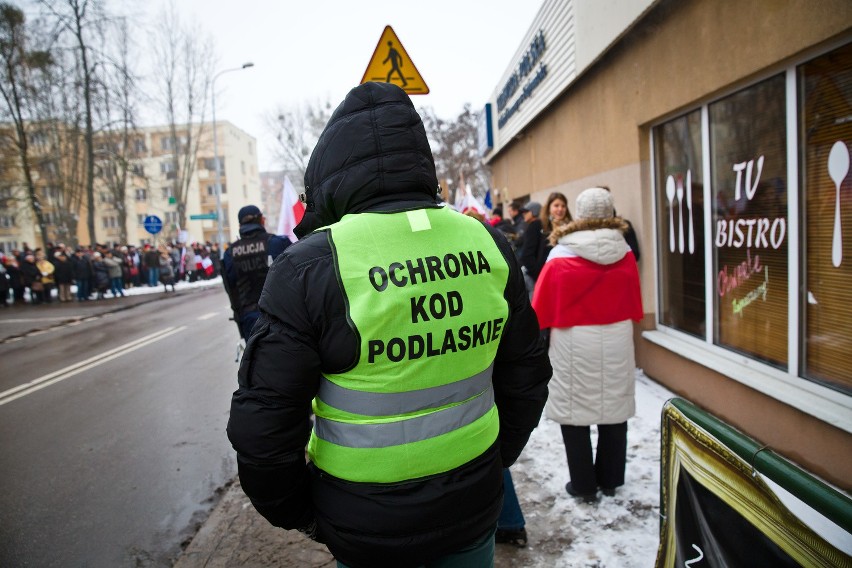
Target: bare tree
x,y
184,61
297,129
116,143
21,65
80,19
59,115
454,147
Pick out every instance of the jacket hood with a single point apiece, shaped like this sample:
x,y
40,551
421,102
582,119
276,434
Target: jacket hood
x,y
373,149
598,240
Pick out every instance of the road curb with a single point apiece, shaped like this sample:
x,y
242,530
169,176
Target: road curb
x,y
93,309
236,535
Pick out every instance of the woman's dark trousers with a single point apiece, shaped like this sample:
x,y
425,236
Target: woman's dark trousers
x,y
607,469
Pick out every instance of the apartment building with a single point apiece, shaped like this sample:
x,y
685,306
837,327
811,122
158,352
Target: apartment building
x,y
150,189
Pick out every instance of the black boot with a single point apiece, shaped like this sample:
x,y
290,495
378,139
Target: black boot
x,y
515,537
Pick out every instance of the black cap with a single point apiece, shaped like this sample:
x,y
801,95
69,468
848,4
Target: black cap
x,y
249,214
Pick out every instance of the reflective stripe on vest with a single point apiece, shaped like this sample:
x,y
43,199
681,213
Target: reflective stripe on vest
x,y
424,292
405,431
389,404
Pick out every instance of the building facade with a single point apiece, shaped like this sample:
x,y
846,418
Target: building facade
x,y
723,130
150,190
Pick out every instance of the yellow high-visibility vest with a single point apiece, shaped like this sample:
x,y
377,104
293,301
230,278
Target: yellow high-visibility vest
x,y
424,292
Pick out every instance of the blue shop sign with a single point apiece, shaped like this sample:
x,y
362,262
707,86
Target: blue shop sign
x,y
484,131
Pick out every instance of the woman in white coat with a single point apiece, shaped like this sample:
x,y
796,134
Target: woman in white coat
x,y
588,296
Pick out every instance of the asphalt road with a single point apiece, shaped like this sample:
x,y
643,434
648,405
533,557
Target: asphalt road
x,y
112,455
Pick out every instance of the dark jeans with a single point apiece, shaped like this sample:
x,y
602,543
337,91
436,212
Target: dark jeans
x,y
115,286
607,468
153,276
83,288
511,517
246,324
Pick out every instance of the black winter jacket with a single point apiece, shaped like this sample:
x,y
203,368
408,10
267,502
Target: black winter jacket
x,y
81,267
372,156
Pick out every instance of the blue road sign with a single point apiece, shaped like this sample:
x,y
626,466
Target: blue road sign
x,y
153,224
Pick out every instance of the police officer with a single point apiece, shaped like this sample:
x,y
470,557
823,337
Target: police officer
x,y
246,263
409,326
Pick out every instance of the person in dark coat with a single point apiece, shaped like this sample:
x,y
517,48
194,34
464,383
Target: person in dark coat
x,y
372,170
246,263
101,275
81,270
16,283
151,265
629,233
64,275
519,225
31,278
4,282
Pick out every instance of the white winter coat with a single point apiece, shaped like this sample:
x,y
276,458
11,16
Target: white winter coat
x,y
593,365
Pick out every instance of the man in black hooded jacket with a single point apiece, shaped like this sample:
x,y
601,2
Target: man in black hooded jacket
x,y
407,452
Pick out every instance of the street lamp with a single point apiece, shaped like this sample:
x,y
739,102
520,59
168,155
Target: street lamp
x,y
219,236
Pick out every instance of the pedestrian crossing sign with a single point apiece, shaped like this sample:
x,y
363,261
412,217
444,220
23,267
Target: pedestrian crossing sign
x,y
391,64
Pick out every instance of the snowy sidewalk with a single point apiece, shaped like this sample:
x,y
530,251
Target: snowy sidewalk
x,y
615,532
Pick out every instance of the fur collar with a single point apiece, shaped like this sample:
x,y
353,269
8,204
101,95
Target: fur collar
x,y
587,225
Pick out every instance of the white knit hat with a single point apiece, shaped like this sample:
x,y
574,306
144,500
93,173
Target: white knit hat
x,y
594,203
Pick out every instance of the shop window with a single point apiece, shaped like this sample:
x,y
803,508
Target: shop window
x,y
748,155
825,109
746,146
680,201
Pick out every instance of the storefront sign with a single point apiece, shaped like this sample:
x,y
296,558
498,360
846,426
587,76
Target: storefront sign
x,y
525,67
758,233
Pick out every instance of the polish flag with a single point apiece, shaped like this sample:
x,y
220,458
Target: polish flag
x,y
469,201
292,211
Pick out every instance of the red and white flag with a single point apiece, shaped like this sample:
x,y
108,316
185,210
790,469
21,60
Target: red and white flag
x,y
292,211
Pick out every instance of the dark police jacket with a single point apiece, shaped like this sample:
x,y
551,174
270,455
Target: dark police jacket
x,y
373,156
246,264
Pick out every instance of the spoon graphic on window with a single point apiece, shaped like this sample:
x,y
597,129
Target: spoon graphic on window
x,y
838,167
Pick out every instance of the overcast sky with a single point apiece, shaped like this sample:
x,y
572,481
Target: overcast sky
x,y
319,49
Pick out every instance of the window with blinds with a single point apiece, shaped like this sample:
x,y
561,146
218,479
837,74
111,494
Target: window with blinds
x,y
680,201
748,156
825,109
748,236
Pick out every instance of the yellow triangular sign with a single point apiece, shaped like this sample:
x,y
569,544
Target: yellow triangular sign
x,y
390,64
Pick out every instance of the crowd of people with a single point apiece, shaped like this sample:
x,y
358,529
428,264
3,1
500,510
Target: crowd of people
x,y
58,273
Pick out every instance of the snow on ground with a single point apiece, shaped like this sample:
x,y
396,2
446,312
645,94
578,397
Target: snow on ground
x,y
620,531
182,285
139,290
